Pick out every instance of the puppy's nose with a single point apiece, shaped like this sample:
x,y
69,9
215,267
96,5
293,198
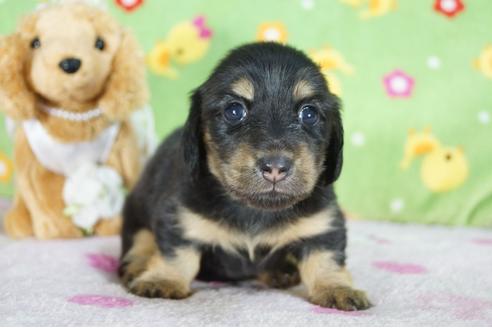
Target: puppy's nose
x,y
275,168
70,65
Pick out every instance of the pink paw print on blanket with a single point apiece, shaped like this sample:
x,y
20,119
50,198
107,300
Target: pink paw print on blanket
x,y
322,310
101,301
400,268
459,306
483,241
103,262
379,240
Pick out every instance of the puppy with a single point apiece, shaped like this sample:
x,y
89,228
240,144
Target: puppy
x,y
244,190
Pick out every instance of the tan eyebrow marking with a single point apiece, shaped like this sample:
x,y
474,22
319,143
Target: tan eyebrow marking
x,y
302,90
244,88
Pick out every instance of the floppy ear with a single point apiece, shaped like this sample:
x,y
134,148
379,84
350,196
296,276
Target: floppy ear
x,y
192,142
16,98
334,152
126,89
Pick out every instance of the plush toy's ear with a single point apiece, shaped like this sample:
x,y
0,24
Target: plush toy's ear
x,y
334,152
126,89
192,142
17,101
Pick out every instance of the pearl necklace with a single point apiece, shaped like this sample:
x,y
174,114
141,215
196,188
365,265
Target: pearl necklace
x,y
72,116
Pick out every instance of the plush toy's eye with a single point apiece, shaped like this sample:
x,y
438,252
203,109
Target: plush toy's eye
x,y
308,115
100,44
35,43
235,113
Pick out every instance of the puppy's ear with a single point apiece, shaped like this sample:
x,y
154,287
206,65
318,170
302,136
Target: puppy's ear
x,y
334,152
192,142
16,98
126,89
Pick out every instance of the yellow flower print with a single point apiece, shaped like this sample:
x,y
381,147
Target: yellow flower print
x,y
6,168
272,31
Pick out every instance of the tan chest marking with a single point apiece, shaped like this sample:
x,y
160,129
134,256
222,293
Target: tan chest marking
x,y
198,228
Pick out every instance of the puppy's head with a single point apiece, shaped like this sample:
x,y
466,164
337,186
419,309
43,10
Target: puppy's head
x,y
266,126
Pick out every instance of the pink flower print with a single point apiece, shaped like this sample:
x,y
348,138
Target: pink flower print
x,y
398,84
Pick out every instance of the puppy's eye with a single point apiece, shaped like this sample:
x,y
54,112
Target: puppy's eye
x,y
100,44
235,113
308,115
35,43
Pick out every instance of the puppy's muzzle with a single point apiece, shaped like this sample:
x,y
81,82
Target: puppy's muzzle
x,y
70,65
275,168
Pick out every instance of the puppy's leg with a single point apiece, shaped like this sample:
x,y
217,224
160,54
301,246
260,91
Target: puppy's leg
x,y
329,283
17,221
134,262
147,272
284,274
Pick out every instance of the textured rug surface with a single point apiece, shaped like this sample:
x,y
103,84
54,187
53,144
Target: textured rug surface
x,y
415,275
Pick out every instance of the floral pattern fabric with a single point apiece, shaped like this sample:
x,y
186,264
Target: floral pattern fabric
x,y
415,79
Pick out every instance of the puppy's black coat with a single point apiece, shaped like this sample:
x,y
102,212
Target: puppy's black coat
x,y
244,190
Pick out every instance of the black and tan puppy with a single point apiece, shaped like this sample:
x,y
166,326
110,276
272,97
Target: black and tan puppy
x,y
244,190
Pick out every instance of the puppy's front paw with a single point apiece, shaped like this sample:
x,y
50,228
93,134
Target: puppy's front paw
x,y
159,288
340,297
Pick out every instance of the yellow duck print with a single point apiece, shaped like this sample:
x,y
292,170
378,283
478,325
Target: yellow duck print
x,y
185,43
443,168
484,62
330,60
374,8
418,143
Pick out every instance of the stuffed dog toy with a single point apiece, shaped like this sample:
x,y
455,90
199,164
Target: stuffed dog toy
x,y
244,190
71,80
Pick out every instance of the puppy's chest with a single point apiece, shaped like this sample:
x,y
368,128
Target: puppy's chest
x,y
253,246
220,264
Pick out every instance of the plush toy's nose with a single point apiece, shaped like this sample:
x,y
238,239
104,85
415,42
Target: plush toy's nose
x,y
70,65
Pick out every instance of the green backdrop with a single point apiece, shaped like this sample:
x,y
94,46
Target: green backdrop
x,y
435,55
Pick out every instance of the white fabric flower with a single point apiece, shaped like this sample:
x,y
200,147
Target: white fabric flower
x,y
93,192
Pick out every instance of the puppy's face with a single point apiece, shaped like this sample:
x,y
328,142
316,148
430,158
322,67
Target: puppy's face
x,y
269,129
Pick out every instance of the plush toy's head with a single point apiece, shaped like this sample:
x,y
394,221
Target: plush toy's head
x,y
70,55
